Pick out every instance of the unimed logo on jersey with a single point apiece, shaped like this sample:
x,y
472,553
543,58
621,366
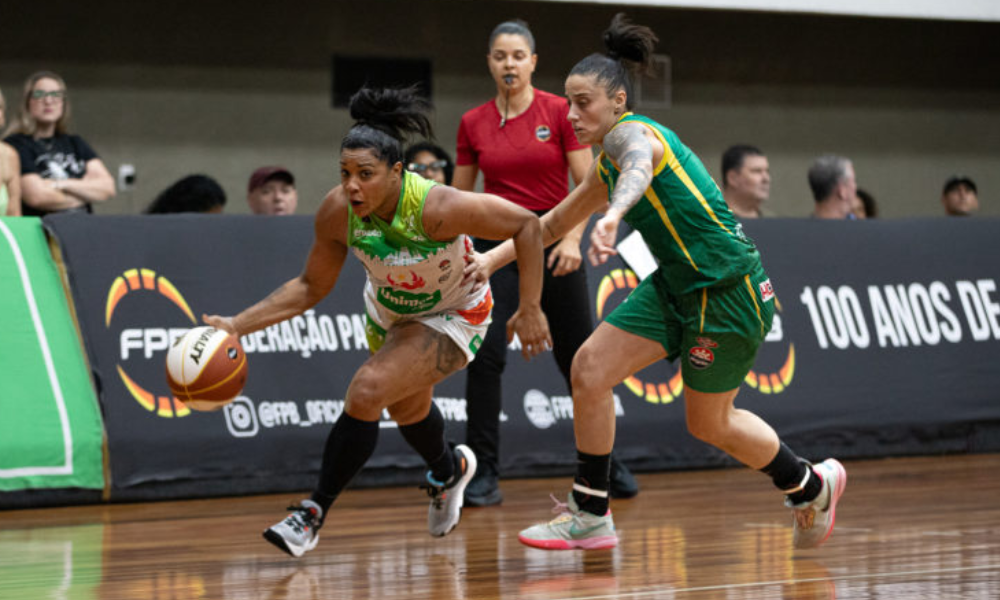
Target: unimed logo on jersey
x,y
147,340
615,287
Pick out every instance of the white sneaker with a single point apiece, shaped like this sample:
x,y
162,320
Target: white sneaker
x,y
298,533
813,520
572,529
446,501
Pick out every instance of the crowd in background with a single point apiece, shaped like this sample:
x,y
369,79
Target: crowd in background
x,y
44,168
526,150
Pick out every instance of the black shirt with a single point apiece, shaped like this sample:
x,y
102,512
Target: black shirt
x,y
61,156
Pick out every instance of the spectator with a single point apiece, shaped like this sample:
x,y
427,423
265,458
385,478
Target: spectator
x,y
831,179
746,180
191,194
960,196
526,148
864,206
59,170
271,191
430,161
10,173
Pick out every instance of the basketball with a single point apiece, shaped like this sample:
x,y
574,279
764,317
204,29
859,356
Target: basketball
x,y
206,368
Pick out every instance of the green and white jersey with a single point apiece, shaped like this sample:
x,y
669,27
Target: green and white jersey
x,y
683,218
409,274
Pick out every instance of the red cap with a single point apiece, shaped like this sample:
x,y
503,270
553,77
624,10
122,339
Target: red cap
x,y
265,174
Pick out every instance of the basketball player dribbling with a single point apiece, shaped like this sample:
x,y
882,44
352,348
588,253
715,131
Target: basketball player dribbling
x,y
422,325
710,303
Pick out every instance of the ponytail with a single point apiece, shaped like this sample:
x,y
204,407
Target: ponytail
x,y
383,118
628,48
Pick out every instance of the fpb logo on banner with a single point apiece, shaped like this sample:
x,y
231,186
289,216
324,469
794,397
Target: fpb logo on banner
x,y
148,340
623,281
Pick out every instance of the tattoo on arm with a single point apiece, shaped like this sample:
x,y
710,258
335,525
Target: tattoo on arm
x,y
628,146
434,228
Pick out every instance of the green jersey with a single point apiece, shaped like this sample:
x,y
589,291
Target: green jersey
x,y
408,272
683,218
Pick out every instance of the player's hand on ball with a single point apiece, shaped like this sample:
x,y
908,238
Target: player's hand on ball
x,y
223,323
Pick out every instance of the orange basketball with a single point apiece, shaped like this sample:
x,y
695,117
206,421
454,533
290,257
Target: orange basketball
x,y
206,368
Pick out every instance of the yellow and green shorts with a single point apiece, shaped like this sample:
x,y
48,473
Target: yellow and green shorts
x,y
714,331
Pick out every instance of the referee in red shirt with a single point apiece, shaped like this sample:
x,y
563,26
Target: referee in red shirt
x,y
524,146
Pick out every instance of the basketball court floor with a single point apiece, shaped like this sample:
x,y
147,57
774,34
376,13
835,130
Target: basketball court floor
x,y
922,528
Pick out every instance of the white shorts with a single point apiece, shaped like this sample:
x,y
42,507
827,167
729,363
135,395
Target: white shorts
x,y
466,327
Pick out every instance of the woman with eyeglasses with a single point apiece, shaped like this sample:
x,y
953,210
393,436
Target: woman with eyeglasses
x,y
430,161
10,174
525,148
59,170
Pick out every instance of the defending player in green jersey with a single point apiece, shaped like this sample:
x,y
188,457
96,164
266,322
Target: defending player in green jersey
x,y
709,304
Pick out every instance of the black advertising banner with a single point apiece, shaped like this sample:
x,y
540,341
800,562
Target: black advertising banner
x,y
887,341
139,282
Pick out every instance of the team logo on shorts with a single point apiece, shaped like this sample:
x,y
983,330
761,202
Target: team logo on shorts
x,y
701,358
543,133
705,342
766,291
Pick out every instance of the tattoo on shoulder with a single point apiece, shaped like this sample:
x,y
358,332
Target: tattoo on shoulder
x,y
627,141
628,147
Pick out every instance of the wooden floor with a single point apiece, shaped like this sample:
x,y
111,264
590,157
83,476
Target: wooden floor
x,y
906,528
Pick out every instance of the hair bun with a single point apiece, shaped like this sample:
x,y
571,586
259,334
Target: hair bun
x,y
610,45
393,111
626,41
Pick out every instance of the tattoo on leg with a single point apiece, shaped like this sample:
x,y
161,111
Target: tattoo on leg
x,y
450,357
432,346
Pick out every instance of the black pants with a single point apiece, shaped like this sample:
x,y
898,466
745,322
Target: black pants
x,y
566,304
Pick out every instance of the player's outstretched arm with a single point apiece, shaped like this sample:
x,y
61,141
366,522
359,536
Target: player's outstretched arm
x,y
587,198
322,268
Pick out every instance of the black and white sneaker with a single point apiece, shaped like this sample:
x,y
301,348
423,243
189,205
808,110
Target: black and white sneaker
x,y
447,498
298,533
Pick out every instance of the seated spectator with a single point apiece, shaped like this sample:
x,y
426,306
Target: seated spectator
x,y
430,162
271,191
746,180
960,196
191,194
864,205
59,171
10,174
831,179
